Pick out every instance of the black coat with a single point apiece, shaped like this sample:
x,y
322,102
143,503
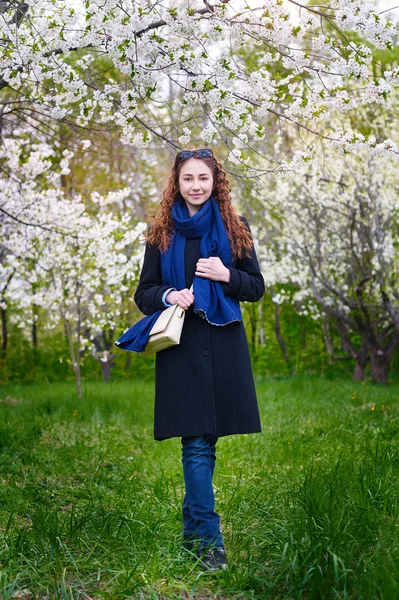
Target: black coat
x,y
205,385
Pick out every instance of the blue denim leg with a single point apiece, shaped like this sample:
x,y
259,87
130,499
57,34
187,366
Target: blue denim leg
x,y
189,531
199,517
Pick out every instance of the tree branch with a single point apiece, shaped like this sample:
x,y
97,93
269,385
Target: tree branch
x,y
393,313
313,10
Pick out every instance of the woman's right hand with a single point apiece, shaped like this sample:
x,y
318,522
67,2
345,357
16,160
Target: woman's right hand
x,y
184,298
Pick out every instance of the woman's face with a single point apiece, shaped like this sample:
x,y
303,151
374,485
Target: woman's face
x,y
195,184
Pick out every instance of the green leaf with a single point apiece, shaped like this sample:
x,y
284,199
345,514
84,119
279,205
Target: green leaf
x,y
208,86
157,38
149,91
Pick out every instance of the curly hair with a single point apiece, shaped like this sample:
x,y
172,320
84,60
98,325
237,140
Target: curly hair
x,y
161,230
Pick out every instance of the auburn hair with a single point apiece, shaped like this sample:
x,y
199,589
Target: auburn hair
x,y
161,230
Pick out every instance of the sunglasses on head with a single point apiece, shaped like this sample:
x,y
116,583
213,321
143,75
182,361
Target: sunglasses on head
x,y
201,153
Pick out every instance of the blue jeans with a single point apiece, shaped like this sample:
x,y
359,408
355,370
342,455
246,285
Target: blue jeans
x,y
200,521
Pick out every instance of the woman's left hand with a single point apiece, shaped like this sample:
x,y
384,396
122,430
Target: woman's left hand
x,y
212,268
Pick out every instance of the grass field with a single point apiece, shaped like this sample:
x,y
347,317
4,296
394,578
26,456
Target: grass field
x,y
90,504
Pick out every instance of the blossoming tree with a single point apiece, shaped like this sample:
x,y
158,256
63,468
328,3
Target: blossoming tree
x,y
335,241
162,72
81,264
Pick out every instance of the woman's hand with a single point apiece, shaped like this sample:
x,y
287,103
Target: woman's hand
x,y
184,298
212,268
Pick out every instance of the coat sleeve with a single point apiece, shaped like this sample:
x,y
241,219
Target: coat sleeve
x,y
150,290
246,280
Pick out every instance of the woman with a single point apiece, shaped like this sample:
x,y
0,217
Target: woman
x,y
204,386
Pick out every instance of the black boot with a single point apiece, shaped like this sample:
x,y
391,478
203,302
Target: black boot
x,y
212,559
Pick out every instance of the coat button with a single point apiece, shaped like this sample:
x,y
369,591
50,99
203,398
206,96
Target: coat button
x,y
205,353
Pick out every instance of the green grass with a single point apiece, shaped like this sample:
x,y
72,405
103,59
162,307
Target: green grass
x,y
90,504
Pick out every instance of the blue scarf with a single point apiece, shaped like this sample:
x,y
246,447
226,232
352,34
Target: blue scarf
x,y
210,301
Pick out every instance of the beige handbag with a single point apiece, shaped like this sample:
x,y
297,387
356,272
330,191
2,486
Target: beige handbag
x,y
166,331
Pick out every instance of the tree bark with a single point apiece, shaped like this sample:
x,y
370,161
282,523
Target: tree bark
x,y
103,344
359,372
106,366
75,356
302,332
4,327
252,312
344,345
4,331
325,327
262,336
380,363
34,335
277,329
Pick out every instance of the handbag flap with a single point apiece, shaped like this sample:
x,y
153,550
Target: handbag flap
x,y
164,318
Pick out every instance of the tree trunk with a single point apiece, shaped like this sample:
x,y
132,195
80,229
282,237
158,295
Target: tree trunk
x,y
302,333
76,368
262,336
325,327
279,336
75,356
359,373
4,328
380,363
106,366
253,323
34,335
344,345
4,331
